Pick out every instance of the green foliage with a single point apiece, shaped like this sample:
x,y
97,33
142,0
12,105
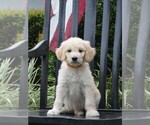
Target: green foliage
x,y
129,80
36,21
9,92
12,26
99,17
96,74
51,68
34,87
12,23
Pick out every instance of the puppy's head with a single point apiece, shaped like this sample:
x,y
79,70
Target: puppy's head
x,y
75,51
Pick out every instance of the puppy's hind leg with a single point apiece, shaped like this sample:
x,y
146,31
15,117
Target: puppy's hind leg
x,y
79,113
65,109
97,98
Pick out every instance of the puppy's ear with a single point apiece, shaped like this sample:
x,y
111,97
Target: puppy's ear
x,y
90,52
60,53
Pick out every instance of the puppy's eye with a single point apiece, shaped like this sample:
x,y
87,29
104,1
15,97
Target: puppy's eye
x,y
69,50
80,50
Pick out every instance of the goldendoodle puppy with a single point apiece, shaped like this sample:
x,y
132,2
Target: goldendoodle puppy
x,y
76,90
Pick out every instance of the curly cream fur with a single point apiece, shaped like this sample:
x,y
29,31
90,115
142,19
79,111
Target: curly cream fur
x,y
76,89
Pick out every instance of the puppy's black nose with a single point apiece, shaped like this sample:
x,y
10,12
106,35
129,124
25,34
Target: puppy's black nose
x,y
74,58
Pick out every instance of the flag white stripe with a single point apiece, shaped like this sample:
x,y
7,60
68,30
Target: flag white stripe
x,y
68,11
54,19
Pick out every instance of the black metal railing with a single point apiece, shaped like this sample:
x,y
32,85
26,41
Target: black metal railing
x,y
42,48
89,34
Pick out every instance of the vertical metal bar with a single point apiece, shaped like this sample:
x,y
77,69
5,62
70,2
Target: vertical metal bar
x,y
26,22
75,18
61,28
126,7
61,23
103,53
44,59
46,29
23,91
116,55
90,21
44,76
90,24
140,57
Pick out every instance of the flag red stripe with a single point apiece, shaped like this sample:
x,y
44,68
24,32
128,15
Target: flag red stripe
x,y
80,15
53,45
53,42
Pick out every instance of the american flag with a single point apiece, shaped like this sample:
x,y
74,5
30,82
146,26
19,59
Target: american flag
x,y
53,39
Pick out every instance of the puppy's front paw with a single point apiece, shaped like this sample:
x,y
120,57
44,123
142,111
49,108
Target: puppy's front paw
x,y
53,112
92,113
